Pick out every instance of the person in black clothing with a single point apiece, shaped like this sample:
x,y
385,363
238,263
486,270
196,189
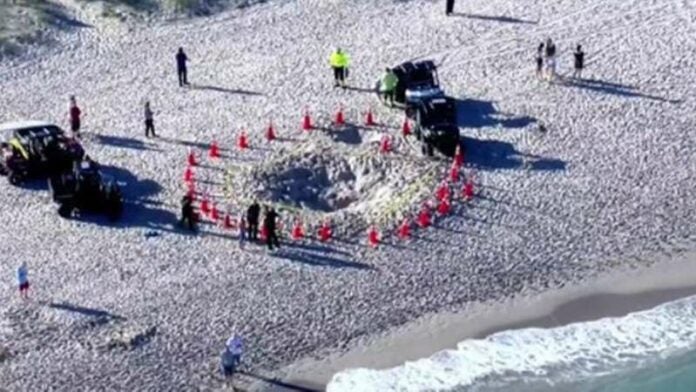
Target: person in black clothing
x,y
181,60
450,7
270,223
187,214
550,59
579,62
253,221
540,60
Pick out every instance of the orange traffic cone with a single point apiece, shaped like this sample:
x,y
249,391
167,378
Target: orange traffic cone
x,y
424,219
459,156
406,127
339,116
243,141
325,232
307,121
205,205
192,158
454,172
188,174
297,231
405,229
444,207
214,214
468,190
227,223
192,189
270,133
369,120
443,191
214,151
385,144
373,237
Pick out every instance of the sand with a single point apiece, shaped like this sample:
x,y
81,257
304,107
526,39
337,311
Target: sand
x,y
614,295
609,184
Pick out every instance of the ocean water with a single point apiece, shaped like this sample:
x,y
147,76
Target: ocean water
x,y
649,351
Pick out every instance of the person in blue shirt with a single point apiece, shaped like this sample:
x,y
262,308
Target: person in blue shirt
x,y
23,281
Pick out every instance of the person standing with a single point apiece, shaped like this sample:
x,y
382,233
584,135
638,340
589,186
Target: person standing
x,y
253,213
242,230
339,62
550,59
74,113
579,62
388,86
181,60
232,355
23,281
149,121
450,7
187,213
540,60
270,223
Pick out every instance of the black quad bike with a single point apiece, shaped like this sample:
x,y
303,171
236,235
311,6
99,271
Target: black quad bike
x,y
85,189
436,125
35,151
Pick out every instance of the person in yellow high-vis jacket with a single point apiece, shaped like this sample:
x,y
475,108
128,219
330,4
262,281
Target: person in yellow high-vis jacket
x,y
339,61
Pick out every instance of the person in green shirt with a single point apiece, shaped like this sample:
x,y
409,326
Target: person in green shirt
x,y
339,61
388,86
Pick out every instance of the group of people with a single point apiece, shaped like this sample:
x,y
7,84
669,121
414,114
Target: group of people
x,y
248,225
546,60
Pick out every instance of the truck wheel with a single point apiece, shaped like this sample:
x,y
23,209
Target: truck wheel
x,y
429,149
65,210
14,178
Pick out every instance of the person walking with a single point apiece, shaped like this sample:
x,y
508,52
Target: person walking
x,y
550,59
579,56
242,230
388,86
253,213
74,113
449,8
540,60
149,121
231,356
23,281
270,223
339,62
182,72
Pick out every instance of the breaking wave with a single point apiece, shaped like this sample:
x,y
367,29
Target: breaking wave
x,y
536,359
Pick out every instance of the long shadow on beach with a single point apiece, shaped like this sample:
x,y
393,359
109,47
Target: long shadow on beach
x,y
224,90
90,312
611,88
125,142
475,113
285,386
317,259
496,154
492,18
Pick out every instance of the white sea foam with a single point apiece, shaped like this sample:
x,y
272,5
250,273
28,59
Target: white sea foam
x,y
558,355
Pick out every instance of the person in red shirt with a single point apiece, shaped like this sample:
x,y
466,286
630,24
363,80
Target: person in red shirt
x,y
75,114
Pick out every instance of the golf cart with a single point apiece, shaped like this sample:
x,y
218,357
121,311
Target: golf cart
x,y
416,82
436,125
86,189
34,149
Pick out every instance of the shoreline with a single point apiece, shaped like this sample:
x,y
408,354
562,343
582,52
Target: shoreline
x,y
615,294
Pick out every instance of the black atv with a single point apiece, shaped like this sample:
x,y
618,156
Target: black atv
x,y
36,150
436,126
416,82
85,189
